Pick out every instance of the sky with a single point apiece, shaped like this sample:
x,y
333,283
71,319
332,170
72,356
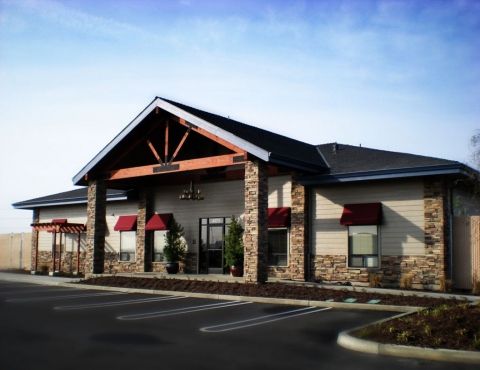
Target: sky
x,y
393,75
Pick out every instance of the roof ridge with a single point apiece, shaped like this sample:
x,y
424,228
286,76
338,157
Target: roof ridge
x,y
236,121
389,151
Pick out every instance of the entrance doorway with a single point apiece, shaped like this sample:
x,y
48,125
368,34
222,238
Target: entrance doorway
x,y
212,244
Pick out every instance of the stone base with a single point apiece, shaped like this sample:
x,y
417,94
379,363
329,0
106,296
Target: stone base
x,y
408,272
68,265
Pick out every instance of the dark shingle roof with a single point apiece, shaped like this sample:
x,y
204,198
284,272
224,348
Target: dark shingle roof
x,y
280,146
68,197
350,159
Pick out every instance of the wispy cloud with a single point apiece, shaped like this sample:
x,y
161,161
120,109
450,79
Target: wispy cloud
x,y
78,20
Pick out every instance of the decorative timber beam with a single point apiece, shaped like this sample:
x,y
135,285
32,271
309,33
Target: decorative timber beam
x,y
154,152
179,166
209,135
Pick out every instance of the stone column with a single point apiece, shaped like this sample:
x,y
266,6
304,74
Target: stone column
x,y
96,225
34,251
256,222
298,232
433,273
143,258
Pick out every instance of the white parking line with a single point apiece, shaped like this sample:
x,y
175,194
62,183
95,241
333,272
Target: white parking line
x,y
116,303
59,297
181,311
13,291
261,320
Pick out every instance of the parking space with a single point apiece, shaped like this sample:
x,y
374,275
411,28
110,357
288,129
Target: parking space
x,y
70,328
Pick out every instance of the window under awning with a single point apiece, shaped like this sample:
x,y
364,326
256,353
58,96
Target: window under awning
x,y
159,222
361,214
126,223
279,217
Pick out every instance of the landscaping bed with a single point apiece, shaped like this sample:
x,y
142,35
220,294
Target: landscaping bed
x,y
448,325
271,290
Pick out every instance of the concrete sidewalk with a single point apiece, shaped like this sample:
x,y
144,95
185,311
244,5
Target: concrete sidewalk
x,y
36,279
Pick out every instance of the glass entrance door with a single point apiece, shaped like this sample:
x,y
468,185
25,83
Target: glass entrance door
x,y
212,241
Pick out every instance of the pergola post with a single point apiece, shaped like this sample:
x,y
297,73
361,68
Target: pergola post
x,y
78,252
256,222
96,224
54,251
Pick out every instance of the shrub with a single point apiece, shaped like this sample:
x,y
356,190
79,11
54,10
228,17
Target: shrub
x,y
234,244
175,248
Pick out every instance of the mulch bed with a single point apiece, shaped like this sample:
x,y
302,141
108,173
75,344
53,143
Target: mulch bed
x,y
452,326
272,290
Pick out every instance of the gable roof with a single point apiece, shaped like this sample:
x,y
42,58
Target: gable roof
x,y
355,163
77,196
266,145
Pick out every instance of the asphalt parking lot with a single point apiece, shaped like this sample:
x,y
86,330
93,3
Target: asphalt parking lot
x,y
45,327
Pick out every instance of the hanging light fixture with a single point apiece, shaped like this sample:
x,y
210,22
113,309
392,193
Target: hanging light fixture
x,y
191,193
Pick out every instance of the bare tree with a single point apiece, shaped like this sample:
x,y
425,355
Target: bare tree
x,y
475,143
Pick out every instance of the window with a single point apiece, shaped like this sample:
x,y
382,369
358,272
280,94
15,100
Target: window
x,y
127,246
278,247
363,246
158,244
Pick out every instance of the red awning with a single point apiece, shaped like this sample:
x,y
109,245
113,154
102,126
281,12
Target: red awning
x,y
362,214
126,223
59,221
159,222
279,217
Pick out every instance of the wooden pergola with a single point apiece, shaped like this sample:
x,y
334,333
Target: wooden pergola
x,y
59,227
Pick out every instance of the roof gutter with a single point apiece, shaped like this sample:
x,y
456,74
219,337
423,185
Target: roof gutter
x,y
456,169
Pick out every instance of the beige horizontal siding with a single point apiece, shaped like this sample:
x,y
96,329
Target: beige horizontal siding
x,y
222,199
73,213
402,230
279,191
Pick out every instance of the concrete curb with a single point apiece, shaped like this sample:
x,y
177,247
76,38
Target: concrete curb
x,y
283,301
348,341
224,297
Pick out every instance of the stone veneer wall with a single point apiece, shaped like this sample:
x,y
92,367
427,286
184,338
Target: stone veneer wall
x,y
256,222
298,232
425,271
113,265
96,225
140,234
69,262
34,263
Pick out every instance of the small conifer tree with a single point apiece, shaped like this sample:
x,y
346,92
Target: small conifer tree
x,y
234,244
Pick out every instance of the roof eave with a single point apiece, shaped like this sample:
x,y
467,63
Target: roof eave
x,y
457,169
296,164
60,202
168,107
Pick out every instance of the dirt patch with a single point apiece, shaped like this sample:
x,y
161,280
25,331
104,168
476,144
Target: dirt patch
x,y
452,326
272,290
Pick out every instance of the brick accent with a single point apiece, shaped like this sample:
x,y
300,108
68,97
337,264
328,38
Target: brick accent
x,y
96,225
298,232
34,250
256,222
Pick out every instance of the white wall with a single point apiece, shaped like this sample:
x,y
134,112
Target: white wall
x,y
402,230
